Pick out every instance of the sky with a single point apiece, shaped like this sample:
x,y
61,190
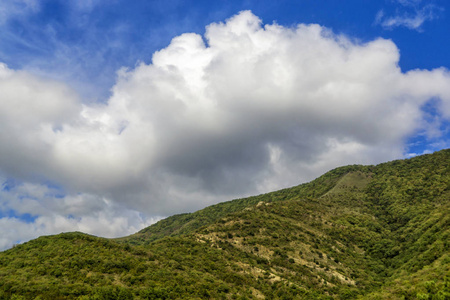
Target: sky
x,y
115,114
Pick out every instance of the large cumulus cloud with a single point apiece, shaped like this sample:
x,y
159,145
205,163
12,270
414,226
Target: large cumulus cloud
x,y
245,109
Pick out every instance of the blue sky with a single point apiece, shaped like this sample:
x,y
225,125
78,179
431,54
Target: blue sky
x,y
95,38
116,113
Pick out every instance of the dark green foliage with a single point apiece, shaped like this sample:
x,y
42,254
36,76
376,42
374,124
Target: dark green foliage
x,y
357,232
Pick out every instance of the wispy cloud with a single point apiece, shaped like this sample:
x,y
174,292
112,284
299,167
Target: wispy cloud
x,y
16,8
411,14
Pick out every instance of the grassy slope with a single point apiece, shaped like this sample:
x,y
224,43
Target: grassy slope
x,y
189,222
369,232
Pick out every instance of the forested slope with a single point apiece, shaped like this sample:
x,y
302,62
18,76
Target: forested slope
x,y
357,232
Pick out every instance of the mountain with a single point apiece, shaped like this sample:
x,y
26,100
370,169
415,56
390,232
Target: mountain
x,y
357,232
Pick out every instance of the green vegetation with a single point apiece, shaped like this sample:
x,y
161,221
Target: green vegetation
x,y
357,232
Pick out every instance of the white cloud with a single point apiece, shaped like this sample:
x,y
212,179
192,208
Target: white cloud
x,y
255,109
413,16
31,109
17,8
51,213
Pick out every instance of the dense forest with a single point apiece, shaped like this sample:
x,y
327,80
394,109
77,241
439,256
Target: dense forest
x,y
357,232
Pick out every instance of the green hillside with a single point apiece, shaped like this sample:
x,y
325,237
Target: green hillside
x,y
357,232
